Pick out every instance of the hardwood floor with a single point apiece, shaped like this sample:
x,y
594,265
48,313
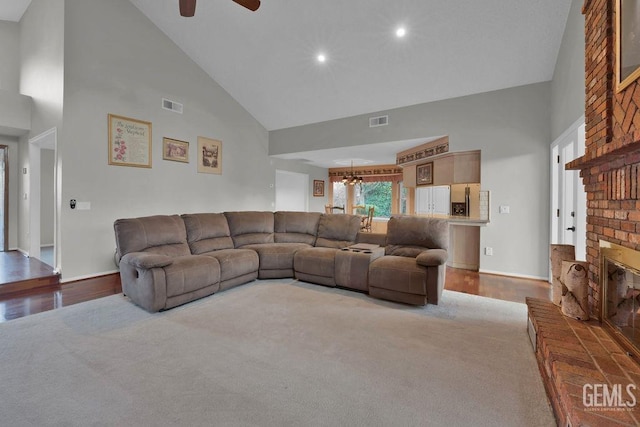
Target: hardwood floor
x,y
35,301
506,288
20,274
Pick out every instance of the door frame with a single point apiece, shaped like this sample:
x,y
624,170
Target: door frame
x,y
5,190
557,220
48,140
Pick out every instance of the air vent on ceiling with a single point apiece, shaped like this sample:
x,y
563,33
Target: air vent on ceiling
x,y
378,121
167,104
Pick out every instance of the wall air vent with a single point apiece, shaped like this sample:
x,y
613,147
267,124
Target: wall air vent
x,y
167,104
378,121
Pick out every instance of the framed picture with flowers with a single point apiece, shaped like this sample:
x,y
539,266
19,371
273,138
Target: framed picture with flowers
x,y
129,142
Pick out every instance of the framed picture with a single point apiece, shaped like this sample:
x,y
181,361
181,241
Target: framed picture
x,y
176,150
627,42
318,188
209,155
129,142
424,174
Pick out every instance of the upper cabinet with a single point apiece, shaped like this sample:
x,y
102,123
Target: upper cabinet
x,y
450,168
466,167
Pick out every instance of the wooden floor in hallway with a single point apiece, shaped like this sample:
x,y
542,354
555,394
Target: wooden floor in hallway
x,y
20,274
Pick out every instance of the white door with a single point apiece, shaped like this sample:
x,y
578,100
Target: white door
x,y
292,191
568,198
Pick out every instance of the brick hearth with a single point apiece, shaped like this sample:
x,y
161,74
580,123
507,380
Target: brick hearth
x,y
572,353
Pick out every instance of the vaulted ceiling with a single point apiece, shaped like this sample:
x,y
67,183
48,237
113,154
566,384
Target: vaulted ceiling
x,y
267,60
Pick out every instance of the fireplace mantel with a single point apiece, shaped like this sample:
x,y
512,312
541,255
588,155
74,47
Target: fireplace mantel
x,y
608,154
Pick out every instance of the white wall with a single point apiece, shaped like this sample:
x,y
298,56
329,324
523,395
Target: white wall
x,y
510,127
47,200
117,61
567,86
292,191
316,204
10,54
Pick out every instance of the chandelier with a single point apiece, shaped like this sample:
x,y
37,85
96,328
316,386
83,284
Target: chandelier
x,y
351,179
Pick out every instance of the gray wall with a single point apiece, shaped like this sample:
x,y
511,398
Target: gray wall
x,y
117,61
568,85
510,127
42,62
12,143
10,54
9,86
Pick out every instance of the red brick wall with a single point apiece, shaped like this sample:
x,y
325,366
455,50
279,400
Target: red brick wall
x,y
610,167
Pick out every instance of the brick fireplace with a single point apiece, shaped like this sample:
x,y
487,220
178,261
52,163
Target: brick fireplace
x,y
610,168
575,357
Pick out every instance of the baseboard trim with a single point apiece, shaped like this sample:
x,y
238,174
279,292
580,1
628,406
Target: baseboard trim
x,y
88,276
521,276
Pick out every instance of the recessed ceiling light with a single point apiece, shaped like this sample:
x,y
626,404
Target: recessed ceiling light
x,y
401,32
321,57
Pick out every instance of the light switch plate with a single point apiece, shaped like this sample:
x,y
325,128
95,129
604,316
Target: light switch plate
x,y
505,209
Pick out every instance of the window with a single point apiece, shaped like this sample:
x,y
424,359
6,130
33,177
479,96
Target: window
x,y
376,194
403,199
339,194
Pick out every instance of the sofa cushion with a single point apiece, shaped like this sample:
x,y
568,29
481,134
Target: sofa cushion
x,y
207,232
190,273
277,256
296,227
250,227
408,235
315,261
235,262
337,230
158,234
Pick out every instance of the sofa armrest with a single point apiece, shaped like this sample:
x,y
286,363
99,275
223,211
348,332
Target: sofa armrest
x,y
146,260
432,257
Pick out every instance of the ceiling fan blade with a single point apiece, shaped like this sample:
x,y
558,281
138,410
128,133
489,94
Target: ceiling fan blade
x,y
252,5
187,8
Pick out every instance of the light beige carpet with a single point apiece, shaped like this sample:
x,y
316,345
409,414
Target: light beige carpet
x,y
273,353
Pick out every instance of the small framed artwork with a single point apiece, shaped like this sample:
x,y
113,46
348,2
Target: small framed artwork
x,y
424,174
129,142
209,155
175,150
627,43
318,188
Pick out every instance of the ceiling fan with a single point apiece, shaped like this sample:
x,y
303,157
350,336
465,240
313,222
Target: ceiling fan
x,y
188,7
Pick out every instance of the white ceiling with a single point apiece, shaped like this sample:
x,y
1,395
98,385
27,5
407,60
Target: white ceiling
x,y
12,10
266,59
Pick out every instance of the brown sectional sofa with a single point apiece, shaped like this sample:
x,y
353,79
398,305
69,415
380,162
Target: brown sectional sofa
x,y
168,260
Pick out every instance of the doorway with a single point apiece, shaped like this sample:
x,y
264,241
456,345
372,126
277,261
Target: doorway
x,y
568,198
4,197
292,191
43,199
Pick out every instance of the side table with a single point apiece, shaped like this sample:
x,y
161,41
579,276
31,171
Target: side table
x,y
352,265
